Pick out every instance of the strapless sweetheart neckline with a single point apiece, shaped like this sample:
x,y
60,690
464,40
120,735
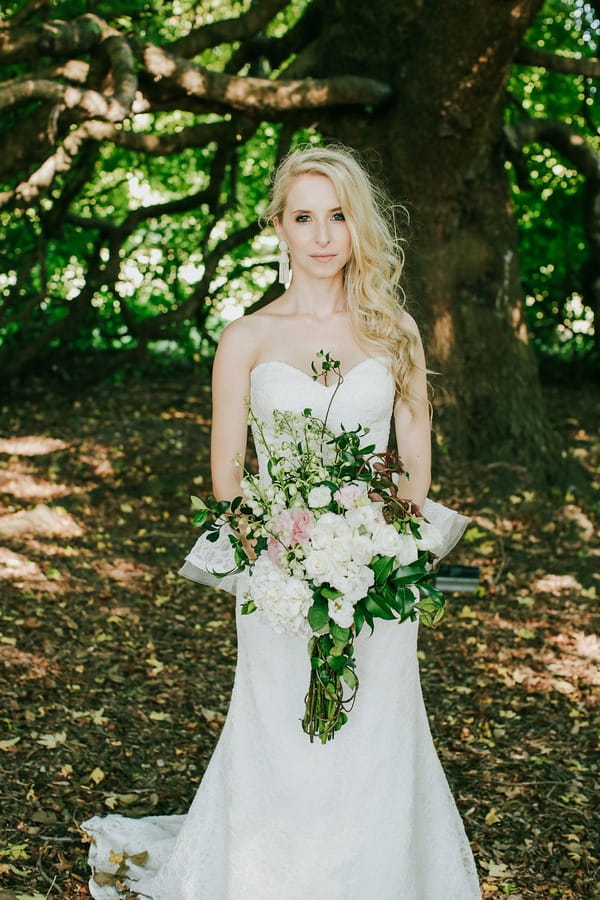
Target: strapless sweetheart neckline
x,y
380,360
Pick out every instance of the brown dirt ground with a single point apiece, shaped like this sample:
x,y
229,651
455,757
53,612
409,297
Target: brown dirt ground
x,y
116,673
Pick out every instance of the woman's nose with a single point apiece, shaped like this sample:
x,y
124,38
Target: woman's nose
x,y
322,233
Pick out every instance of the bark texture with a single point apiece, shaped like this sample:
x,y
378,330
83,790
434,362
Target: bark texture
x,y
439,146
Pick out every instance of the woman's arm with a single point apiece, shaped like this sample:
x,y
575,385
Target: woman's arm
x,y
230,390
413,430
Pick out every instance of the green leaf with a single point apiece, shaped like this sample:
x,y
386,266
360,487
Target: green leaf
x,y
340,635
330,593
350,678
318,616
337,663
382,567
198,503
359,619
248,607
377,609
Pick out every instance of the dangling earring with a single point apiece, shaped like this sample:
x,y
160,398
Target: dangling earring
x,y
284,263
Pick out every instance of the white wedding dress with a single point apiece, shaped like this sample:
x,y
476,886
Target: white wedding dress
x,y
367,816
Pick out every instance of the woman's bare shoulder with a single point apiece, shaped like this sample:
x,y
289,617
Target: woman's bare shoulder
x,y
409,323
243,338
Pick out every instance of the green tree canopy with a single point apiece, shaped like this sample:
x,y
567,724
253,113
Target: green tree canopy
x,y
138,141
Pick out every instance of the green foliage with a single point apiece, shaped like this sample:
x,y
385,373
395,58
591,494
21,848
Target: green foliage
x,y
180,276
553,249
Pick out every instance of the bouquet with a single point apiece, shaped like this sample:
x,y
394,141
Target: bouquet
x,y
329,545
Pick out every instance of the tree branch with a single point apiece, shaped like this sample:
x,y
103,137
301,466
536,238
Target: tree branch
x,y
567,65
562,137
30,9
258,96
89,103
59,162
224,133
54,39
248,24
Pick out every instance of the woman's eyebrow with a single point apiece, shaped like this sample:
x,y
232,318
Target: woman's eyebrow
x,y
334,209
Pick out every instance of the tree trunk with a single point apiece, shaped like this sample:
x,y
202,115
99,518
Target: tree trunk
x,y
440,148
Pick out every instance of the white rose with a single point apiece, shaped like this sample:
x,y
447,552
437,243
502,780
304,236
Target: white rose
x,y
364,516
326,529
317,566
319,497
339,550
355,583
387,540
361,549
408,551
341,611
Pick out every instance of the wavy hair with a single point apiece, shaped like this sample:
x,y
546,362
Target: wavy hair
x,y
372,275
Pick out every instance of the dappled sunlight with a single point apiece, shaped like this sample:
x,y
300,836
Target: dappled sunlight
x,y
194,418
26,666
28,575
122,570
15,565
31,445
443,336
56,548
97,457
42,520
14,480
583,523
565,662
557,584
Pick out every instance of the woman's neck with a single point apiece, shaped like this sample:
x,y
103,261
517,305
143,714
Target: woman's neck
x,y
318,298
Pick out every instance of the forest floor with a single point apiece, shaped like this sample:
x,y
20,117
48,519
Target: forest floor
x,y
116,673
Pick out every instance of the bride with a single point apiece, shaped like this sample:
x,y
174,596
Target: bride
x,y
369,815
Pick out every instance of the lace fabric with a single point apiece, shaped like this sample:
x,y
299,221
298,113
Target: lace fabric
x,y
369,814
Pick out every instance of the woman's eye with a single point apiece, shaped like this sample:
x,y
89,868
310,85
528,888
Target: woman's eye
x,y
339,217
303,217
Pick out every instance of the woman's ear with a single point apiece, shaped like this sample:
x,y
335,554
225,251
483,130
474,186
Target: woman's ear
x,y
277,227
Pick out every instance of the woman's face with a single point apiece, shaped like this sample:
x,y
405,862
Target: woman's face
x,y
314,228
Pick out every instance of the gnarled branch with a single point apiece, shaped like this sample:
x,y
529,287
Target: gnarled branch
x,y
54,39
258,96
569,142
567,65
248,24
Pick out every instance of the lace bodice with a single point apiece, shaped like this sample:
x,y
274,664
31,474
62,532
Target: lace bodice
x,y
365,397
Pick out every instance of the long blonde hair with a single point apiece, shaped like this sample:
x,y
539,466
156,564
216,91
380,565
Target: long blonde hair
x,y
374,296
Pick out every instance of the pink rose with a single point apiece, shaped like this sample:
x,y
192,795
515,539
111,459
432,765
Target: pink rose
x,y
348,495
282,527
274,549
302,525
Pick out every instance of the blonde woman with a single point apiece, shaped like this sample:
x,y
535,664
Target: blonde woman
x,y
368,816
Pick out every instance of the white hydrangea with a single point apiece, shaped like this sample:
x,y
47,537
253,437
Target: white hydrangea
x,y
282,600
